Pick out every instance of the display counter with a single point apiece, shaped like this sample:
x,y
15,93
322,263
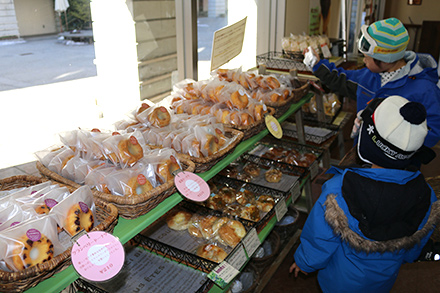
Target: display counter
x,y
128,228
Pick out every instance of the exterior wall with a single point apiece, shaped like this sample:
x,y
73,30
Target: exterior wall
x,y
8,20
155,26
35,17
217,8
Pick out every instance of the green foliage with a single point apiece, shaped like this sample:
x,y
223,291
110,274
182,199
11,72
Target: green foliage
x,y
78,15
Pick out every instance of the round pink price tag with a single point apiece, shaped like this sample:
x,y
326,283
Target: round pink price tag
x,y
98,256
192,186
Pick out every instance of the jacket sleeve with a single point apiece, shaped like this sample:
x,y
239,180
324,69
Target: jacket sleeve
x,y
318,242
337,79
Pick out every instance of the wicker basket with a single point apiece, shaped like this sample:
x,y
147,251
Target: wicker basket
x,y
275,242
282,107
128,207
253,129
206,163
107,215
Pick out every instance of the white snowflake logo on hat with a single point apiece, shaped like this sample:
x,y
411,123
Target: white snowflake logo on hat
x,y
370,129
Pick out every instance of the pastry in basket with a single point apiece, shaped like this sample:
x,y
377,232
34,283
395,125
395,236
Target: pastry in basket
x,y
227,194
167,168
273,175
27,252
211,146
265,203
142,108
138,185
239,101
232,232
212,252
250,212
252,169
130,150
78,217
179,220
159,117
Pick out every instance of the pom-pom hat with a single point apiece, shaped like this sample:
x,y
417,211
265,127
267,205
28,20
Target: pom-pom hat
x,y
385,40
393,129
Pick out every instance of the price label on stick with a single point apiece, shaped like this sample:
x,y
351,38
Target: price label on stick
x,y
223,274
273,126
280,209
192,186
97,256
251,242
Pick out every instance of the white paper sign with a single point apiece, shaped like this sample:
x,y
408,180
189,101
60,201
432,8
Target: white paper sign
x,y
227,43
238,258
251,242
280,209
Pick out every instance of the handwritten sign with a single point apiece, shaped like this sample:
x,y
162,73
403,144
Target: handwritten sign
x,y
227,43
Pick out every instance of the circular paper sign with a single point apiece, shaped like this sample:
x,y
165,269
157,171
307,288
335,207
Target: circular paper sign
x,y
98,256
273,126
192,186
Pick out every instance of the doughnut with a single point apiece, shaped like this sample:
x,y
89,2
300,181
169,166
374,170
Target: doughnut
x,y
194,226
63,164
232,232
78,217
143,107
250,212
259,112
206,226
212,252
159,117
246,119
216,202
265,203
261,82
130,150
179,220
273,176
239,101
227,194
211,145
29,252
273,82
245,197
252,169
167,168
138,185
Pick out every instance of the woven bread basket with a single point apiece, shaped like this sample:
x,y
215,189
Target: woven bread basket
x,y
22,280
128,207
283,106
253,129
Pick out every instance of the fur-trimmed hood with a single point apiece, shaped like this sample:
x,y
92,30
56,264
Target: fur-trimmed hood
x,y
338,221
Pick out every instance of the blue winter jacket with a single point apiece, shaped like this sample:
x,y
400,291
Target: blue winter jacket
x,y
417,81
333,241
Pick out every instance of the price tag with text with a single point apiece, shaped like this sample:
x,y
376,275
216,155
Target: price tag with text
x,y
192,186
238,257
326,51
223,274
251,242
295,191
97,256
314,168
280,209
273,126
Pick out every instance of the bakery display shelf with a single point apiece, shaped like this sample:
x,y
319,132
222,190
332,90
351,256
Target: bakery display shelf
x,y
128,228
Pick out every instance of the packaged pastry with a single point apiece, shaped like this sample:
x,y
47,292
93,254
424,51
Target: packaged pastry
x,y
31,243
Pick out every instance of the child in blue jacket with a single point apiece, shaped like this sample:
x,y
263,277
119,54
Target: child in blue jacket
x,y
390,70
369,221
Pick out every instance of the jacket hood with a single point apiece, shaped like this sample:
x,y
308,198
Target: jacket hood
x,y
422,65
338,221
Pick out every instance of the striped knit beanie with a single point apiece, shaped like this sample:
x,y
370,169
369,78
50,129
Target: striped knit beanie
x,y
392,39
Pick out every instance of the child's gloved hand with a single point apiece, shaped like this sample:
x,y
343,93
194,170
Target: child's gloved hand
x,y
310,57
356,125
